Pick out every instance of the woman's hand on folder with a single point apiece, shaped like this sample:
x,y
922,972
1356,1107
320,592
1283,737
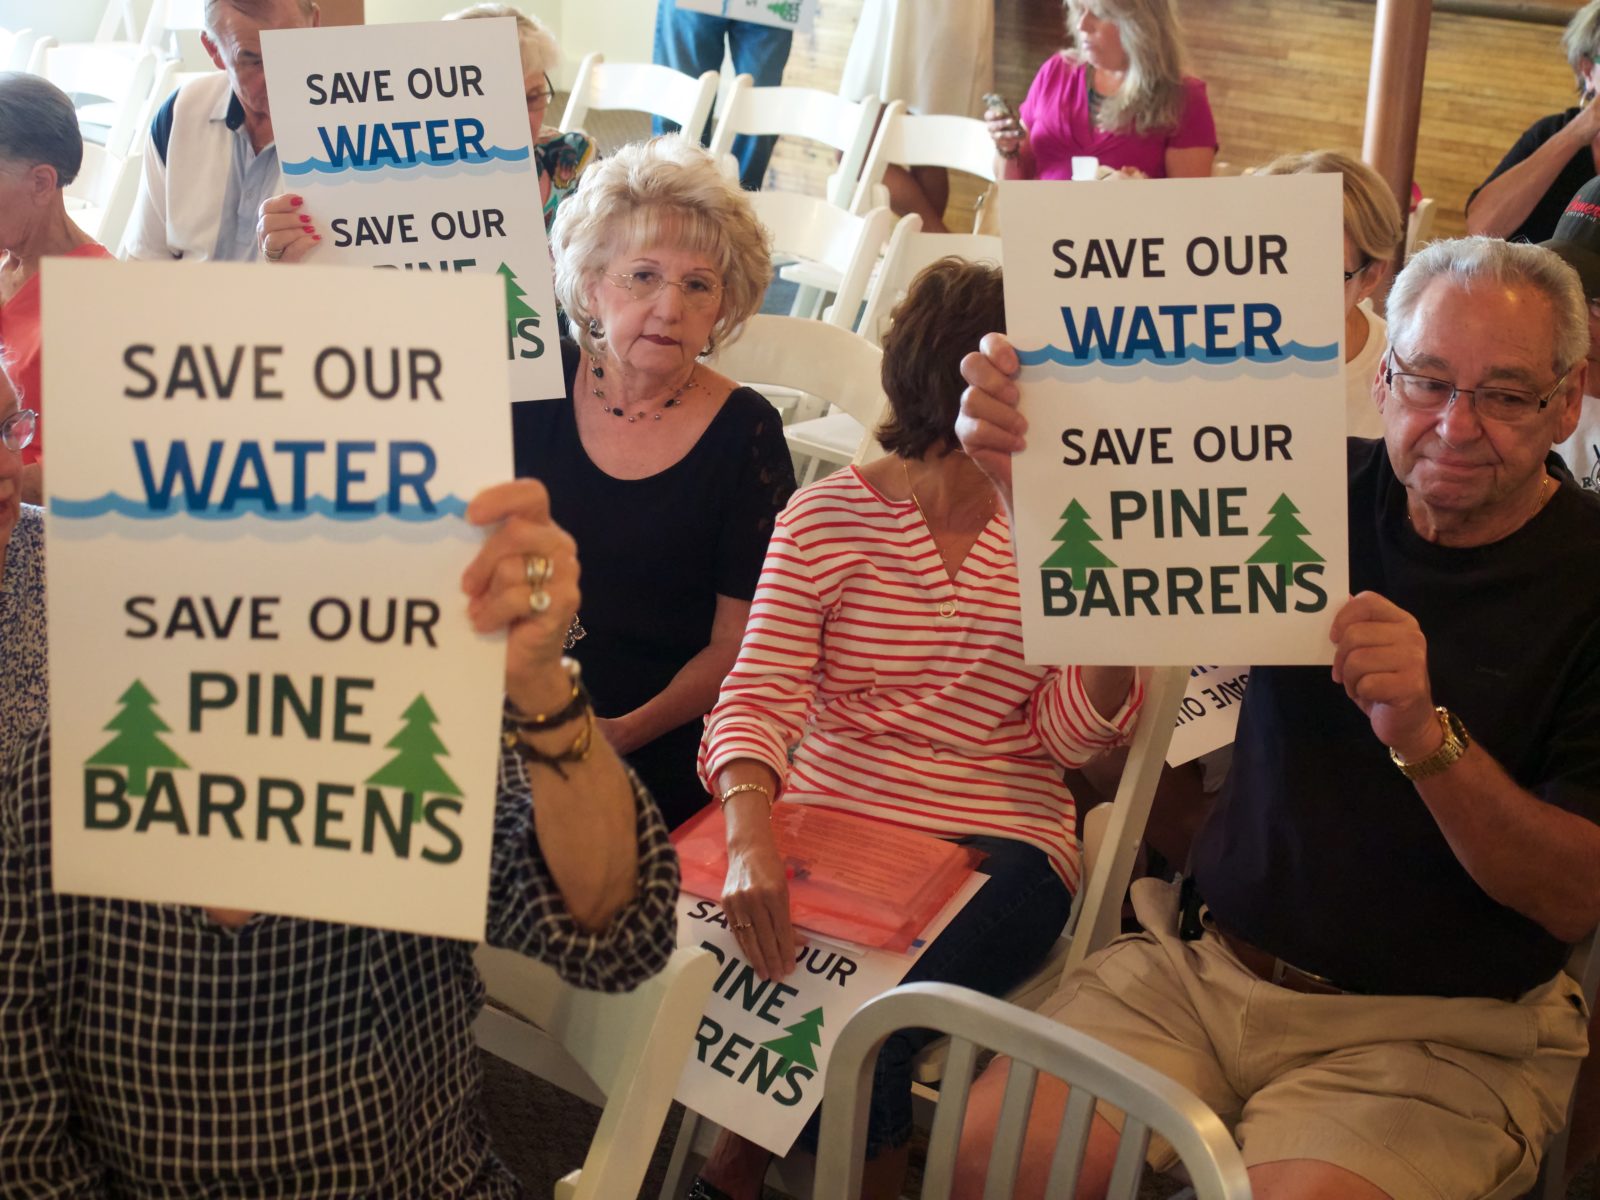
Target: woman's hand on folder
x,y
755,894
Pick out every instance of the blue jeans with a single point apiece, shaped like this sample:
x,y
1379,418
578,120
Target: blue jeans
x,y
691,42
993,944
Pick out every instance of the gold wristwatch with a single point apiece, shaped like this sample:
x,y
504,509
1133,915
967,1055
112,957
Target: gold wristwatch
x,y
1455,745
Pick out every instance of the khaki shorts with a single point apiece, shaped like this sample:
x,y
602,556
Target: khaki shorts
x,y
1422,1096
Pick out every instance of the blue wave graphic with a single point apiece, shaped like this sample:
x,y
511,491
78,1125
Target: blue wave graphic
x,y
1167,371
472,170
387,162
1064,356
112,503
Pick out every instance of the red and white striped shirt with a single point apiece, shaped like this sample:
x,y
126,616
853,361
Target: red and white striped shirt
x,y
893,709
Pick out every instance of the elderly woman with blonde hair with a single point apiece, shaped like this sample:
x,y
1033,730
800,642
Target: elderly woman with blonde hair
x,y
1119,95
666,472
1373,234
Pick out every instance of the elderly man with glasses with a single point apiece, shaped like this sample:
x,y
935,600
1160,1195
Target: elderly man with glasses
x,y
1365,978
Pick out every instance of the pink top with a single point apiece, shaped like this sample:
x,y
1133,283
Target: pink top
x,y
1056,116
20,336
901,692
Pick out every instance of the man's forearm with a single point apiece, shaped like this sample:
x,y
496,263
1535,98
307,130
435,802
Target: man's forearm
x,y
1531,856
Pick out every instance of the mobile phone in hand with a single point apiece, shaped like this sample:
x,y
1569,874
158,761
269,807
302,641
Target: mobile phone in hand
x,y
995,102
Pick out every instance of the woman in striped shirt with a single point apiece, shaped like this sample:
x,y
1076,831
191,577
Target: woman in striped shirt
x,y
881,674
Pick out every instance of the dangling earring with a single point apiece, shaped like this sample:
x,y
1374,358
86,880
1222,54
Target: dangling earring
x,y
595,330
711,347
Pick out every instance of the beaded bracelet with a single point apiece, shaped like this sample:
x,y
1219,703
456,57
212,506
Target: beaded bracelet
x,y
576,752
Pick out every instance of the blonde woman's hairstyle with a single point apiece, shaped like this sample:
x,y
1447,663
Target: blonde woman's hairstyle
x,y
666,191
1151,95
1371,213
1581,40
535,42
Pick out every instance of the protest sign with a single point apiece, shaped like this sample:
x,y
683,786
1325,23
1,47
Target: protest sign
x,y
1208,713
265,691
411,147
1183,488
798,15
760,1055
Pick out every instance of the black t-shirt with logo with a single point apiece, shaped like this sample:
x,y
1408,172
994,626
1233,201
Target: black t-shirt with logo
x,y
1321,852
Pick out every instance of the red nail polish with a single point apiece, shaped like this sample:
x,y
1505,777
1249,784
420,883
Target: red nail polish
x,y
316,237
304,220
295,201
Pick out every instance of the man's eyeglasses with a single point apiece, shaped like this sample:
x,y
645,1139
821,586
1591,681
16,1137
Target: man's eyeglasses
x,y
1424,393
17,430
698,291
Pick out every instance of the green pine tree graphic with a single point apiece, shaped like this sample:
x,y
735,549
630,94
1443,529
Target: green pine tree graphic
x,y
799,1038
138,745
1284,544
517,309
415,770
1077,552
787,10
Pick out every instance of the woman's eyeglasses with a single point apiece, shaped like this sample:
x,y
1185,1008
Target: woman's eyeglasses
x,y
17,430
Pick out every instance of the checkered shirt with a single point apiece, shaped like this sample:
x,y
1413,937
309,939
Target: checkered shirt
x,y
147,1052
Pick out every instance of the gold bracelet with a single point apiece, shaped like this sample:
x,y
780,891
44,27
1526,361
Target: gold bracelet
x,y
577,701
738,788
576,752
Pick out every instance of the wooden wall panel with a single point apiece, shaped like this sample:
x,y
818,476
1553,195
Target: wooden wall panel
x,y
1283,75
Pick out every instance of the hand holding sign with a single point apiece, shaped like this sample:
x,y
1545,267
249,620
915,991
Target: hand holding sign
x,y
285,232
990,427
1381,659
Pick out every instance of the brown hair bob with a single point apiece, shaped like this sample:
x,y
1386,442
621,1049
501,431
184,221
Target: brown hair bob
x,y
949,306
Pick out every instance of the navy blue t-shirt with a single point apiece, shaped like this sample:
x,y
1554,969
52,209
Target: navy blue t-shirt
x,y
1321,852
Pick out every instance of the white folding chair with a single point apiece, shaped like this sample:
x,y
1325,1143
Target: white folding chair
x,y
838,367
908,252
1152,1102
16,48
1419,229
624,1052
42,45
119,22
173,31
820,234
844,125
640,87
908,140
100,199
110,83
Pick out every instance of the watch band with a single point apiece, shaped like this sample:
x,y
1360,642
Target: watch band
x,y
1455,745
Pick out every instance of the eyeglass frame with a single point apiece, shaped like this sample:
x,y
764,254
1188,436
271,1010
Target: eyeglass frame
x,y
549,93
1349,275
10,420
624,280
1389,374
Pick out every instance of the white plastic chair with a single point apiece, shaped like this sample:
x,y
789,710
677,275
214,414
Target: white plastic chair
x,y
1152,1102
119,76
42,45
16,48
838,367
100,199
816,232
1583,964
907,140
640,87
1419,229
817,116
118,23
623,1051
908,252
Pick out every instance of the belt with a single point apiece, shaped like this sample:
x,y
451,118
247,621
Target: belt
x,y
1275,971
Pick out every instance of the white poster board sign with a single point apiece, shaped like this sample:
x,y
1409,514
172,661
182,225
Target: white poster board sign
x,y
797,15
1208,713
1183,489
265,691
411,147
760,1056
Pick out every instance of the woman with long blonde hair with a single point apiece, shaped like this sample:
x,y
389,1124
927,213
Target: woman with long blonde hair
x,y
1119,95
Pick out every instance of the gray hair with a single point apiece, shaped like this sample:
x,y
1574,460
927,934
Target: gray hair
x,y
39,125
1468,261
257,10
535,42
667,190
1581,40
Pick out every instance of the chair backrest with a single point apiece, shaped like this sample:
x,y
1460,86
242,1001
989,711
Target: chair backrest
x,y
624,1051
640,87
845,125
907,140
814,357
118,22
42,46
809,228
908,252
1094,1070
1419,229
101,198
16,48
120,74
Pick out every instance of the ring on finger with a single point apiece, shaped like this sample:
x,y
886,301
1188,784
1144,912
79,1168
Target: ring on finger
x,y
745,925
538,601
538,570
271,257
